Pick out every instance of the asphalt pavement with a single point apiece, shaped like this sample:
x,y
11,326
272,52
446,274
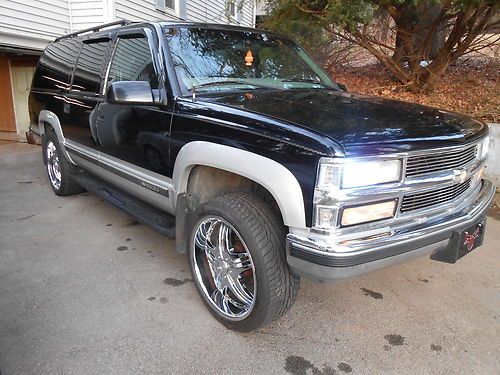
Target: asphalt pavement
x,y
85,289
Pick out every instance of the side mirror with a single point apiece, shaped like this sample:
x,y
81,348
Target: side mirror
x,y
342,86
130,92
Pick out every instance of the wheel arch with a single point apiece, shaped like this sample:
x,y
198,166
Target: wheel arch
x,y
50,118
279,182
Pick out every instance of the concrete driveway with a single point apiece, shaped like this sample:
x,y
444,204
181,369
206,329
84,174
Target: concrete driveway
x,y
86,290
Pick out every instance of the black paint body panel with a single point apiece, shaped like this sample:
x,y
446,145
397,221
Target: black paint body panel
x,y
362,125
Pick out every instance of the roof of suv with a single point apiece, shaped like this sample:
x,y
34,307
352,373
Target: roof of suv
x,y
107,28
216,26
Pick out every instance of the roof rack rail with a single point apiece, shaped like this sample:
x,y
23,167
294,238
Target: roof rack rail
x,y
96,28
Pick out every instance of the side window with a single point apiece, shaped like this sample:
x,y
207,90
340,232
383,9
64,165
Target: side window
x,y
132,61
88,71
56,64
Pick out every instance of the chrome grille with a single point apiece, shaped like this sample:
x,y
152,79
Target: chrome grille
x,y
434,197
422,164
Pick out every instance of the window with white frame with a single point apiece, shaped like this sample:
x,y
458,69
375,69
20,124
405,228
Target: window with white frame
x,y
233,10
165,5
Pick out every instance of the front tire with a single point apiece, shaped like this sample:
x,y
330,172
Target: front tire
x,y
59,169
238,263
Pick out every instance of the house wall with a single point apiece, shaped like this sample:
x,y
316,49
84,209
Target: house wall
x,y
248,15
33,23
215,12
141,10
87,13
212,11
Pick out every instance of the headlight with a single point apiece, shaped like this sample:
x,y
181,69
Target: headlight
x,y
483,147
358,174
368,212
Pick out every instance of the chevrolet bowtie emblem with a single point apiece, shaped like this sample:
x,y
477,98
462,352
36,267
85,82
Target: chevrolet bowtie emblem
x,y
459,176
470,239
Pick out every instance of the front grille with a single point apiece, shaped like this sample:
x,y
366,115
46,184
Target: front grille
x,y
434,197
422,164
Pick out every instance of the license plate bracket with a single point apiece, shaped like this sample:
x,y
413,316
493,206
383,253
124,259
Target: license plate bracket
x,y
462,243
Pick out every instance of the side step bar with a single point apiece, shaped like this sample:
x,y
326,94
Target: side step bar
x,y
142,212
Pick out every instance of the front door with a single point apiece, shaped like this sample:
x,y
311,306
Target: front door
x,y
135,133
85,93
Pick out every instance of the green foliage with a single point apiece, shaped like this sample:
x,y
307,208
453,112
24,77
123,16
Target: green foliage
x,y
345,13
320,13
310,21
303,27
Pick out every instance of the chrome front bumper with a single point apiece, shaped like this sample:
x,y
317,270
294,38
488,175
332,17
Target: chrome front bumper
x,y
325,259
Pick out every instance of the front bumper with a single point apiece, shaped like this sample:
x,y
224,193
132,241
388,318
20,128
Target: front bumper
x,y
320,259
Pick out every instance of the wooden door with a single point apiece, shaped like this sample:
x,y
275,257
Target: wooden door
x,y
7,119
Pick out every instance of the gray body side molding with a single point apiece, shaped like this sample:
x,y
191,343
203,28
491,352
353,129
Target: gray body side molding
x,y
52,119
277,179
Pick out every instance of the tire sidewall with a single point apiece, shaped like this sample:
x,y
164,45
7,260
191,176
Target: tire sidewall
x,y
260,308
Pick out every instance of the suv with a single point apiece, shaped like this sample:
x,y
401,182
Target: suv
x,y
237,144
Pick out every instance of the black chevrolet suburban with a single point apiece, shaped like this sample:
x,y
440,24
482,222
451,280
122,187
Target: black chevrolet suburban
x,y
237,144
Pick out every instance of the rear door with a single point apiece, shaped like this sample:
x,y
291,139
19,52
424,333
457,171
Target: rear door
x,y
52,79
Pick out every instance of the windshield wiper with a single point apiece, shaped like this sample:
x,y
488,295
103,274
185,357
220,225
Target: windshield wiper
x,y
226,82
306,80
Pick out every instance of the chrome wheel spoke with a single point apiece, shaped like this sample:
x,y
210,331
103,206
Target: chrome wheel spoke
x,y
225,305
223,240
219,297
202,240
231,300
242,262
239,291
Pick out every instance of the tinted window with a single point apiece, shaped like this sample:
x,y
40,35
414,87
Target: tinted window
x,y
132,61
56,64
88,71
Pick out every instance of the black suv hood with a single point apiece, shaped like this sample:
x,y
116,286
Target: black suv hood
x,y
361,124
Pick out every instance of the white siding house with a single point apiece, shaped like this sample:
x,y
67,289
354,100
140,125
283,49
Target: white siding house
x,y
27,26
32,23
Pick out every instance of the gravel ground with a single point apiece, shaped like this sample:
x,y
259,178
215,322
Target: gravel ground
x,y
86,290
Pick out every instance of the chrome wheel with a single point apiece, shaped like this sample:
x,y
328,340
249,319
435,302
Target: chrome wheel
x,y
53,165
223,268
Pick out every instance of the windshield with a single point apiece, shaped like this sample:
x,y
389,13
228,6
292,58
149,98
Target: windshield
x,y
220,60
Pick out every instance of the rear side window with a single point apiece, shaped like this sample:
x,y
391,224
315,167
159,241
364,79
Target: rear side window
x,y
89,67
56,64
132,61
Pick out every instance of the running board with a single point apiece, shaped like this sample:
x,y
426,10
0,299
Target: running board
x,y
142,212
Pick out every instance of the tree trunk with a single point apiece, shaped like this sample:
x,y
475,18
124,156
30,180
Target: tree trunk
x,y
418,42
437,42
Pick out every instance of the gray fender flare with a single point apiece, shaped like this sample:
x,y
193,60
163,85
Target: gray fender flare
x,y
52,119
273,176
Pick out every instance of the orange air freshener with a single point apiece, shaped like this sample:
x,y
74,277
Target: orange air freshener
x,y
249,58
